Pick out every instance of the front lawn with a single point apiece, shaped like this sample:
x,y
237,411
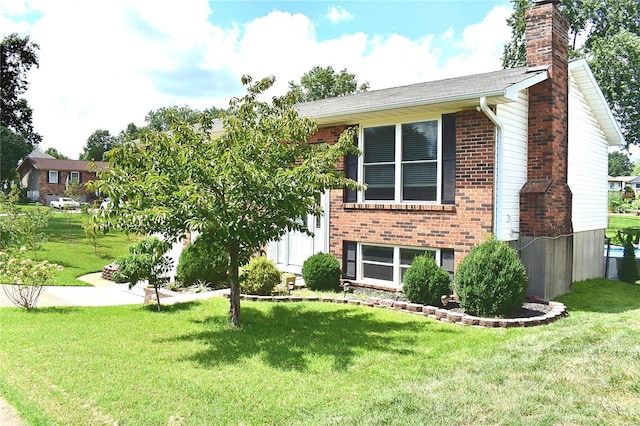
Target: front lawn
x,y
68,246
621,221
319,363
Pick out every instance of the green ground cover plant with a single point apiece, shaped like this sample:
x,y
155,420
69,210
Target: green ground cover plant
x,y
69,246
322,364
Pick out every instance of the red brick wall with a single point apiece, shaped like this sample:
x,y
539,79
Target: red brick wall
x,y
547,213
60,187
460,227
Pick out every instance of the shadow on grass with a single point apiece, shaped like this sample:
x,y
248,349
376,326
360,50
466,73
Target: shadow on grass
x,y
287,336
603,296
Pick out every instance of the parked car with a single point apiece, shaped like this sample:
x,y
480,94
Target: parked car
x,y
65,203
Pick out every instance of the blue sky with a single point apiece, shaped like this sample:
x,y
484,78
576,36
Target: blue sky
x,y
105,64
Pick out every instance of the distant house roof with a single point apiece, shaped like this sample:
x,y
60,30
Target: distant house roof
x,y
39,154
62,165
624,179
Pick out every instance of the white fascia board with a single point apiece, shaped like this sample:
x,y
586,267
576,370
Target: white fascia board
x,y
512,91
597,101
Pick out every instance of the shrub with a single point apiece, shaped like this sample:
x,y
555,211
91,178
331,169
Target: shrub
x,y
321,272
425,282
628,267
491,280
203,260
260,277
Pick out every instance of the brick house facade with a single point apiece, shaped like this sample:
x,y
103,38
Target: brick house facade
x,y
496,153
49,178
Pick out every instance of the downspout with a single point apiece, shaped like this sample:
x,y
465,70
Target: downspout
x,y
498,169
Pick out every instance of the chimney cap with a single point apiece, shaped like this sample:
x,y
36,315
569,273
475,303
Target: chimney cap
x,y
543,2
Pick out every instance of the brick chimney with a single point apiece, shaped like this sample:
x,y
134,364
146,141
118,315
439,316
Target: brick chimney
x,y
545,199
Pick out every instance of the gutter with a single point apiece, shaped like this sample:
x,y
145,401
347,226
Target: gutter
x,y
498,169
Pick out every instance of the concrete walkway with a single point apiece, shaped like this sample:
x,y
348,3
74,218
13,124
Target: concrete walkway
x,y
103,293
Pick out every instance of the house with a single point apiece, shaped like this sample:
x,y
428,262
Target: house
x,y
620,183
519,153
47,178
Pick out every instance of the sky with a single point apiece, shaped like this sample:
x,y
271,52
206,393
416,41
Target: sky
x,y
107,63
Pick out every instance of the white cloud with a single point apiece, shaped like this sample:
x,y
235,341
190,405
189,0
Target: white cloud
x,y
338,14
105,64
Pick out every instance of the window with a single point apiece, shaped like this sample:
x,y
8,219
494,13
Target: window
x,y
400,162
53,176
386,265
405,163
74,177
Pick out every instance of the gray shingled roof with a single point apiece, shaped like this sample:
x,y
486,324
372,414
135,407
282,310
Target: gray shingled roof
x,y
496,83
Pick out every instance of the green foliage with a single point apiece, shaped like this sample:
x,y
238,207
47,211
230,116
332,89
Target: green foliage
x,y
26,277
203,260
243,189
628,272
260,276
619,164
425,282
610,31
322,83
17,56
13,148
146,260
22,227
98,144
491,281
54,153
321,272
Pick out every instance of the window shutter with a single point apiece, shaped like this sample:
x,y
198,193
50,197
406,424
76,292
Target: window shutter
x,y
351,172
448,159
349,262
79,177
48,176
446,261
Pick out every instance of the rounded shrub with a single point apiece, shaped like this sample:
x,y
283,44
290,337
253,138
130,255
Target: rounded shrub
x,y
260,277
321,272
203,261
425,282
491,281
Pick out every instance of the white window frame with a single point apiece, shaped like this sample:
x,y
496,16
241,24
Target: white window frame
x,y
71,174
397,271
53,173
398,160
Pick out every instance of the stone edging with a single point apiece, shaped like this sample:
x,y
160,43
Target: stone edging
x,y
558,310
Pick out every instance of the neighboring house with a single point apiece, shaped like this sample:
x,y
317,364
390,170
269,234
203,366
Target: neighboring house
x,y
519,153
47,178
620,183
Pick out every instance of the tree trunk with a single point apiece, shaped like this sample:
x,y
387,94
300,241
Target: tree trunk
x,y
234,299
155,286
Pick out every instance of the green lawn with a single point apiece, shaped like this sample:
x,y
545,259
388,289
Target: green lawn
x,y
68,246
621,221
319,363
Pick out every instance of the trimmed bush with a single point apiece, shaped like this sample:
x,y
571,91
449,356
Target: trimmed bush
x,y
491,281
321,272
203,261
260,277
425,282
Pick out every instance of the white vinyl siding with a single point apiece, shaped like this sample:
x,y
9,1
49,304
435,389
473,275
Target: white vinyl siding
x,y
588,164
514,118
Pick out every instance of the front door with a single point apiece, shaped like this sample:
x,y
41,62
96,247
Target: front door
x,y
295,247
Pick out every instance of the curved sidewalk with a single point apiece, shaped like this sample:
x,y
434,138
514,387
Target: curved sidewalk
x,y
104,293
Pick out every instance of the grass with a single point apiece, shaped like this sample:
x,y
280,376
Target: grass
x,y
320,363
68,246
621,221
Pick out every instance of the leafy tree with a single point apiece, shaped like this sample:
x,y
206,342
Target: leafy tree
x,y
54,153
130,133
243,189
162,118
100,142
619,164
17,56
611,33
146,260
13,148
22,227
322,83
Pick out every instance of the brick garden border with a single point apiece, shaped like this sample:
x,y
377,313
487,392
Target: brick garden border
x,y
558,310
